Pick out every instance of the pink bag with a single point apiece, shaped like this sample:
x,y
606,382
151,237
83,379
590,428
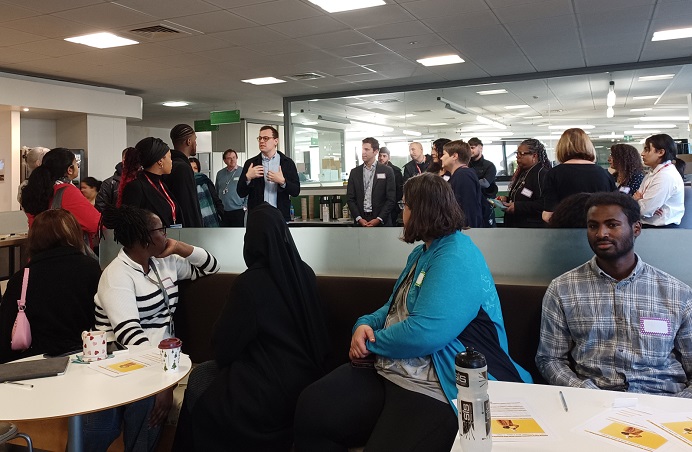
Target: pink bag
x,y
21,331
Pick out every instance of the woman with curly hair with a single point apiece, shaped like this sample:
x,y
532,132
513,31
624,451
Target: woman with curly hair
x,y
629,170
525,199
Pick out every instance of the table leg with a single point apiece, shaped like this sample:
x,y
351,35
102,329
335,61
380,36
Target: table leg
x,y
75,442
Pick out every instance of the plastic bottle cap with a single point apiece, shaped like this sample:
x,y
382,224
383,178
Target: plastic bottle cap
x,y
470,359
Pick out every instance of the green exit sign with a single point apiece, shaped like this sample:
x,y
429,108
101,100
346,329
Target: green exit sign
x,y
224,117
314,142
204,125
627,137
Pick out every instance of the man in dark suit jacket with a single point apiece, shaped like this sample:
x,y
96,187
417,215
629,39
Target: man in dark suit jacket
x,y
371,189
269,176
384,159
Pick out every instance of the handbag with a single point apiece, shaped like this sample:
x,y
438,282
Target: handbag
x,y
21,331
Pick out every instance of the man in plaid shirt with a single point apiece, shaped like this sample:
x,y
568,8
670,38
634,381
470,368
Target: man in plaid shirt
x,y
616,322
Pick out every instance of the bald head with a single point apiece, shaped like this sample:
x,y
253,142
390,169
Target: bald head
x,y
415,150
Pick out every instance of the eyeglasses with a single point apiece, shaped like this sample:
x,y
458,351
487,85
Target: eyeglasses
x,y
162,229
264,139
521,154
402,204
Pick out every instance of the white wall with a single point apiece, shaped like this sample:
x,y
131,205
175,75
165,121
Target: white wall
x,y
136,133
38,132
107,139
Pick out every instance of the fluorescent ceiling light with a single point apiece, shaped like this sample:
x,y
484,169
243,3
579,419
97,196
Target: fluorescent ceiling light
x,y
263,81
649,78
641,109
612,135
408,115
282,114
641,132
25,109
583,127
658,126
102,40
176,103
677,33
664,118
489,134
533,117
610,112
310,123
440,60
486,140
337,6
645,97
438,124
516,107
333,119
483,120
412,133
547,137
449,105
491,91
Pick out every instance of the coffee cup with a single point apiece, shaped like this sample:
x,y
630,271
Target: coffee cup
x,y
94,345
170,354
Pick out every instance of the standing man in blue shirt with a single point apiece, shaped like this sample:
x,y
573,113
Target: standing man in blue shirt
x,y
615,322
269,176
227,187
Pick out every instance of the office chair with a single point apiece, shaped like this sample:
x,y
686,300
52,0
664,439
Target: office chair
x,y
9,431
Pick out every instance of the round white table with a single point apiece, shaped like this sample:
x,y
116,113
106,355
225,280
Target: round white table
x,y
82,390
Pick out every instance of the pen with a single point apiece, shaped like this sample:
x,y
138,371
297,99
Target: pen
x,y
564,403
19,383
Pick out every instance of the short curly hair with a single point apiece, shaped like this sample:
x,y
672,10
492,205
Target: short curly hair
x,y
626,161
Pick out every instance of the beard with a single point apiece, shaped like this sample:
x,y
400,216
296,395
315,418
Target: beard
x,y
618,249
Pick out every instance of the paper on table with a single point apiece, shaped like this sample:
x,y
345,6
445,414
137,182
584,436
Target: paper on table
x,y
628,428
679,425
512,420
119,367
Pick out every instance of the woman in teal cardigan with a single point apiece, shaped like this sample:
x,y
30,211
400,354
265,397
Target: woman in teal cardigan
x,y
444,301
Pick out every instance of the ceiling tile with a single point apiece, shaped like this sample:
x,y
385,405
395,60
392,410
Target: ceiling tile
x,y
52,47
596,6
51,26
400,30
195,43
277,11
10,55
669,15
412,42
426,52
377,59
107,15
9,37
276,47
353,50
11,12
243,58
549,55
363,77
146,51
336,39
471,20
309,26
508,61
426,9
611,53
543,10
53,5
213,22
247,36
166,9
561,29
371,17
229,4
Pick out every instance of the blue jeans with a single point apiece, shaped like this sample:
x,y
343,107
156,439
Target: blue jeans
x,y
100,429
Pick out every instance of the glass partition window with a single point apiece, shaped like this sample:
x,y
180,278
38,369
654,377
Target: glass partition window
x,y
319,155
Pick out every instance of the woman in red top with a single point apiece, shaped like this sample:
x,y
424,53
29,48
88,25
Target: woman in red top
x,y
55,174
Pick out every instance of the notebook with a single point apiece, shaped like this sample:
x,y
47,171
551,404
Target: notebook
x,y
39,368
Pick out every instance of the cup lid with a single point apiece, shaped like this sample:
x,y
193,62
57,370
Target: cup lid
x,y
171,342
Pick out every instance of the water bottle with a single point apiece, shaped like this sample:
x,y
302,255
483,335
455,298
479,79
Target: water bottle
x,y
292,213
473,402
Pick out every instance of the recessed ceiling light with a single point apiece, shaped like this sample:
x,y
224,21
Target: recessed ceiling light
x,y
612,135
644,97
516,107
491,134
677,33
282,114
641,109
641,132
310,123
438,124
649,78
664,118
263,81
176,103
492,91
657,125
584,127
102,40
25,109
337,6
441,60
413,133
407,115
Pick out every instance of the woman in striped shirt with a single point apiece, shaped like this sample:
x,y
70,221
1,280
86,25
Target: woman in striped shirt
x,y
135,303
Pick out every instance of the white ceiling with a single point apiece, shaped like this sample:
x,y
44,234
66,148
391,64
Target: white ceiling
x,y
224,41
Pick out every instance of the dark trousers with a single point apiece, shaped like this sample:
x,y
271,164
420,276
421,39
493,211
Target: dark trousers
x,y
233,218
352,407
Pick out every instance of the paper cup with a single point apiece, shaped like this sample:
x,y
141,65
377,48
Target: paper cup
x,y
94,345
170,354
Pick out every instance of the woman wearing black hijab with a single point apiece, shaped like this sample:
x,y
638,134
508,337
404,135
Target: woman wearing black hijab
x,y
270,343
141,185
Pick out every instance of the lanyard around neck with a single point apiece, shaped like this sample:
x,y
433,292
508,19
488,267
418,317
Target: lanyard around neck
x,y
164,292
165,195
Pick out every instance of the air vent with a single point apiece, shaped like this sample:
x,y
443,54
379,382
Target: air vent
x,y
154,31
306,76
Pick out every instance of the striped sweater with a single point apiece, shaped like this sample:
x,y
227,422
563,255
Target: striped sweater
x,y
130,306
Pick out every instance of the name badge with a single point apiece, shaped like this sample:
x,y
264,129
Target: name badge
x,y
175,226
419,280
654,326
526,192
381,176
237,178
168,283
625,190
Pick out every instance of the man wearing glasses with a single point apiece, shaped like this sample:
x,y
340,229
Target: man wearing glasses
x,y
269,176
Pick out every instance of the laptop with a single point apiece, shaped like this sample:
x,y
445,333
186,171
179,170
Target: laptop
x,y
39,368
